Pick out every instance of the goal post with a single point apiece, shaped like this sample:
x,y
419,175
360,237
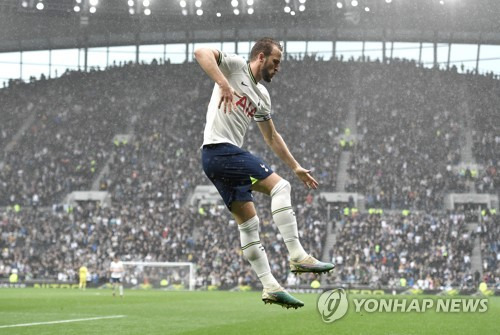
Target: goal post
x,y
160,271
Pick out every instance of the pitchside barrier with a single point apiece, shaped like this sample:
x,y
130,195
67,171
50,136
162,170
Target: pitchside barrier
x,y
361,290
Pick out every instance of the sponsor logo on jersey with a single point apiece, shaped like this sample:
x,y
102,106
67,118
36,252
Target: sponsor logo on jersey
x,y
246,105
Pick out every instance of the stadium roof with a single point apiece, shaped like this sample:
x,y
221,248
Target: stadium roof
x,y
24,26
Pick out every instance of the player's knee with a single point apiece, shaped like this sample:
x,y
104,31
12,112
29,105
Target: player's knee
x,y
283,186
251,225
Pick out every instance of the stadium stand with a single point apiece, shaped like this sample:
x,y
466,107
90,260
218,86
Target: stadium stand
x,y
484,100
422,250
490,248
410,140
411,134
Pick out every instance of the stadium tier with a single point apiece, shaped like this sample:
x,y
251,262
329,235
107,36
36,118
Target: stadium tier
x,y
404,144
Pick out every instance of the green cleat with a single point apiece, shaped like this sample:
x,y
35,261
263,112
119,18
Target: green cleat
x,y
280,297
310,264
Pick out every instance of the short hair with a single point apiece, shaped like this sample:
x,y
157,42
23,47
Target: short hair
x,y
264,45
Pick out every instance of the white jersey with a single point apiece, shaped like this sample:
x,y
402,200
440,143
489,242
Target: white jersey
x,y
255,103
116,269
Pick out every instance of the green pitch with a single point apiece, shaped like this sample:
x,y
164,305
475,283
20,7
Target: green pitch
x,y
160,312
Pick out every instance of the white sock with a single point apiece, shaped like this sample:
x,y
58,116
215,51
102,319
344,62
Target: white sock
x,y
121,289
284,217
255,253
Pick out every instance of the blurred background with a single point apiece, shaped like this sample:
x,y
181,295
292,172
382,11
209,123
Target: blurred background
x,y
393,104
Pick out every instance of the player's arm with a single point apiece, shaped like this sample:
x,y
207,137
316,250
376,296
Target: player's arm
x,y
277,144
208,59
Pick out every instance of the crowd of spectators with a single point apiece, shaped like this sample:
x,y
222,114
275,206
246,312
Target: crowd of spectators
x,y
490,248
49,245
68,140
151,175
411,137
483,102
44,244
161,162
428,251
15,109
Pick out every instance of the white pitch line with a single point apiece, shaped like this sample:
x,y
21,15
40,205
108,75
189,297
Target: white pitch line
x,y
62,321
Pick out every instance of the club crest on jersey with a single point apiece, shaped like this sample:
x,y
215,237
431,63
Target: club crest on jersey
x,y
247,106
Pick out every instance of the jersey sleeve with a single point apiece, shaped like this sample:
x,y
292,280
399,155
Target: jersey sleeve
x,y
229,63
264,111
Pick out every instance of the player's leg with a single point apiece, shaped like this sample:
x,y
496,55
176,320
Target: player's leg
x,y
231,169
248,224
227,168
283,215
82,283
281,207
120,287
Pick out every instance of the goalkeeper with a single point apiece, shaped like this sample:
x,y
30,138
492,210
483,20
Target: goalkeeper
x,y
83,271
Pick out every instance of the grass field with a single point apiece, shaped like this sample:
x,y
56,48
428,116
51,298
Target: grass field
x,y
162,312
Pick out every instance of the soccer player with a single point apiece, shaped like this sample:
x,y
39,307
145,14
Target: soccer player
x,y
83,277
116,269
237,99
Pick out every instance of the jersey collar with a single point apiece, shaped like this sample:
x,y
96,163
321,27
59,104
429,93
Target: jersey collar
x,y
251,74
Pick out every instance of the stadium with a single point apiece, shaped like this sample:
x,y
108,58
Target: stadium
x,y
393,105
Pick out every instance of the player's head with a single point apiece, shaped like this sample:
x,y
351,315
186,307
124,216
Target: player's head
x,y
267,52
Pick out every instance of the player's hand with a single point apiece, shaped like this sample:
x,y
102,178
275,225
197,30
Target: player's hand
x,y
227,94
307,179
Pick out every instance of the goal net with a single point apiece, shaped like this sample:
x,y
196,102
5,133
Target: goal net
x,y
166,275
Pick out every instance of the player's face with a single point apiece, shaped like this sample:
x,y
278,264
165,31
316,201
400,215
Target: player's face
x,y
271,65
